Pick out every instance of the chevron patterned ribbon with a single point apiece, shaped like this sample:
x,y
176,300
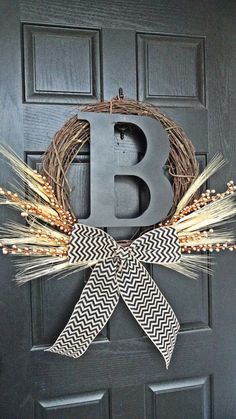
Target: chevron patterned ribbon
x,y
119,272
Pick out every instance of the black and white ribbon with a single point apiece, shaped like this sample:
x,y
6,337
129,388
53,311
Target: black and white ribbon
x,y
119,272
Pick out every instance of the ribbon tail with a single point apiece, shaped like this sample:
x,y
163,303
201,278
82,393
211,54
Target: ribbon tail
x,y
91,313
149,307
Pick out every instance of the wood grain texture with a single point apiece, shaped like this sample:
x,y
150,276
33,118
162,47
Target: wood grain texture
x,y
92,405
61,65
123,363
119,62
189,398
184,82
222,128
146,15
123,359
14,301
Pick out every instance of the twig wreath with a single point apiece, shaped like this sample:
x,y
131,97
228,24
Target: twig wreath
x,y
55,243
70,139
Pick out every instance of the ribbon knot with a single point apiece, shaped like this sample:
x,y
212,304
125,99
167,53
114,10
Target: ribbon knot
x,y
122,253
119,272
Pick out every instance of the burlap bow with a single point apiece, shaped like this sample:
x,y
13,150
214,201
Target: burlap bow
x,y
119,272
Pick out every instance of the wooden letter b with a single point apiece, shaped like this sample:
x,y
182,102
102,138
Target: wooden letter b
x,y
103,170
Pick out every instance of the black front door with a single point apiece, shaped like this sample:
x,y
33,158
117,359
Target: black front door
x,y
179,56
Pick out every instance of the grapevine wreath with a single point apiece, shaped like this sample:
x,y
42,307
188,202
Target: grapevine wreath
x,y
71,138
53,242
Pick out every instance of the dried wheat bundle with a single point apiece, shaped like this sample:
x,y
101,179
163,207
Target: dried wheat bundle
x,y
45,238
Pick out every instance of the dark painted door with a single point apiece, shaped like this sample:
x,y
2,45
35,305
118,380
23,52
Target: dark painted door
x,y
179,56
